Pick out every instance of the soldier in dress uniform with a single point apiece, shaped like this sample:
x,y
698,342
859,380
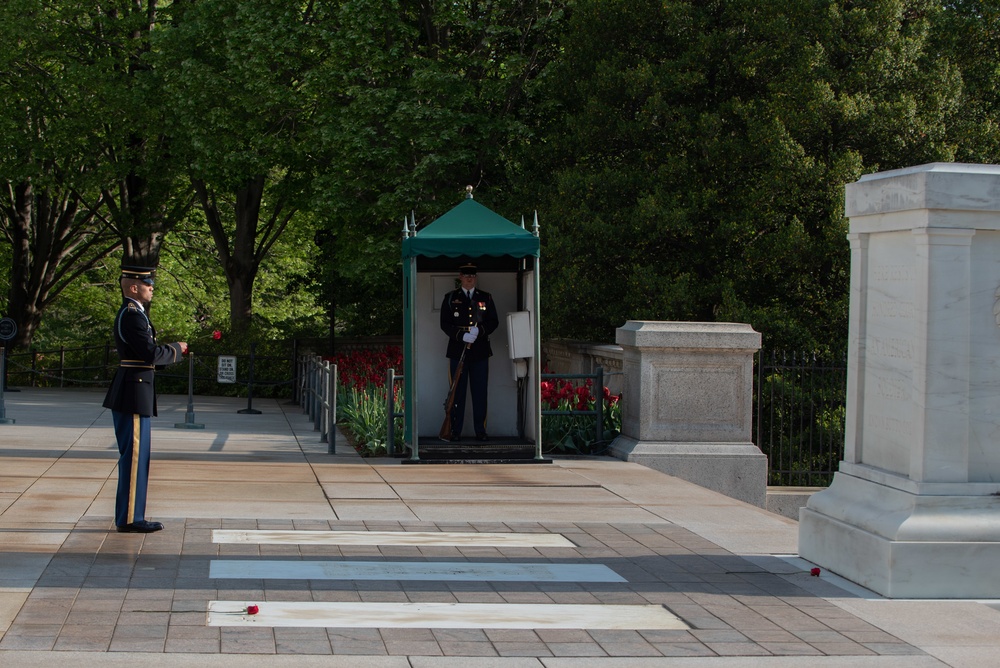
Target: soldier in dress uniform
x,y
132,397
468,317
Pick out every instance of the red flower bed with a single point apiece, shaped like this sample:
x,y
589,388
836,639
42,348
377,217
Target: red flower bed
x,y
360,369
576,433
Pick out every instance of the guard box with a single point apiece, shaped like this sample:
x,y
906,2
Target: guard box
x,y
507,257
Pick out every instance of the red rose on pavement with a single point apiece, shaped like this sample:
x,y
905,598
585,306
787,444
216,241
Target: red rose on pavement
x,y
252,609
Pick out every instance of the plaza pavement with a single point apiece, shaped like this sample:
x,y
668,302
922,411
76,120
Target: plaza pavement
x,y
74,590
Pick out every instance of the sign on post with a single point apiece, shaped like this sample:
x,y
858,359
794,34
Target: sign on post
x,y
8,329
227,369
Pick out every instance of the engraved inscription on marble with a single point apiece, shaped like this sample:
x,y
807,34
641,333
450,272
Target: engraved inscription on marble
x,y
893,272
895,347
890,425
893,309
889,388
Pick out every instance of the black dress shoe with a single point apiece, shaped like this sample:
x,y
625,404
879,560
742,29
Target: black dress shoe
x,y
142,526
482,437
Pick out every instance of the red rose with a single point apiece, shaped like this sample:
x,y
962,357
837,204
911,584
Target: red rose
x,y
217,335
252,609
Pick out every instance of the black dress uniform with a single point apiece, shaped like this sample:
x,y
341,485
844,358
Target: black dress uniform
x,y
132,400
459,313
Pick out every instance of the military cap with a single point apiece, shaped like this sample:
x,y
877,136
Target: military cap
x,y
144,274
468,269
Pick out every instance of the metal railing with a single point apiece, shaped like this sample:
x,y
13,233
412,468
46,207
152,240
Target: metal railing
x,y
390,411
799,416
318,397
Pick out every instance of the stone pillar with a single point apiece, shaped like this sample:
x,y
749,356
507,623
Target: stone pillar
x,y
687,404
914,511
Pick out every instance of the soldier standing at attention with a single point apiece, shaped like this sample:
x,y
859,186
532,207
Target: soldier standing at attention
x,y
132,397
468,317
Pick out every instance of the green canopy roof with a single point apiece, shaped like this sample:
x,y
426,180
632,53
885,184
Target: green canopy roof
x,y
472,230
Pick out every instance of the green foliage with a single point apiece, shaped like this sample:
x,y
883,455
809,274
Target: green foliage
x,y
687,159
84,311
421,100
968,31
362,413
700,154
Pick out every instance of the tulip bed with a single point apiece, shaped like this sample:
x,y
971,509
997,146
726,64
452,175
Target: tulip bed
x,y
362,394
576,434
361,406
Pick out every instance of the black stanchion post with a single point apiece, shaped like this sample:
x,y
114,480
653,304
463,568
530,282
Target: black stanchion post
x,y
189,422
250,410
3,374
8,330
295,375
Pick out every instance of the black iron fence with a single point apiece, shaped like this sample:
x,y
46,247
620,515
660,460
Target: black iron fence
x,y
799,409
266,369
799,402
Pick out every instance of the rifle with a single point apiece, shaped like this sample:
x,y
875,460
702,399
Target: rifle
x,y
449,403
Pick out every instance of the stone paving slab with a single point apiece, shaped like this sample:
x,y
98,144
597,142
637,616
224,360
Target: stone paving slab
x,y
108,592
73,590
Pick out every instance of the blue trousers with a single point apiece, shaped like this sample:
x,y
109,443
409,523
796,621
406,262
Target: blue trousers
x,y
475,376
133,435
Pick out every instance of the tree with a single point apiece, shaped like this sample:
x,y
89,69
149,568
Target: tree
x,y
46,165
53,243
422,99
695,170
236,75
968,31
140,184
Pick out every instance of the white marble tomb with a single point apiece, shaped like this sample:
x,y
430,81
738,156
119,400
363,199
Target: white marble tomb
x,y
914,511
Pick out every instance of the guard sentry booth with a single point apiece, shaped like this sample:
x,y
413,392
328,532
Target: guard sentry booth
x,y
507,258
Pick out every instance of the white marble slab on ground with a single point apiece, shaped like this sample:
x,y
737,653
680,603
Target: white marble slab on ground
x,y
272,537
444,615
409,570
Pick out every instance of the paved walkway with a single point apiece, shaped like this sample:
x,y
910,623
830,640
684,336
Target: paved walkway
x,y
355,562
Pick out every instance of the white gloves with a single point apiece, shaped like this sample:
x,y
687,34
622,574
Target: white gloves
x,y
469,337
474,330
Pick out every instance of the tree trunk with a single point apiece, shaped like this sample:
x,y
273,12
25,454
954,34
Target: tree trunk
x,y
22,308
239,261
241,271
